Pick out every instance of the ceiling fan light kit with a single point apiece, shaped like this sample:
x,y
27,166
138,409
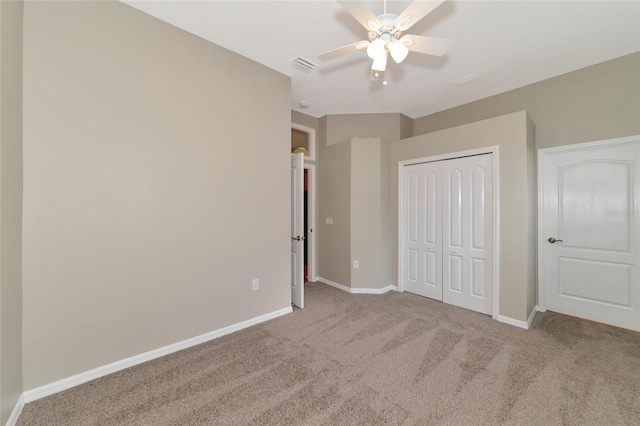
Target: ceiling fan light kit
x,y
385,34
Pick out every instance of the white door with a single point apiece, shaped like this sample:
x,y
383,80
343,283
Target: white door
x,y
467,237
297,230
590,232
448,231
423,209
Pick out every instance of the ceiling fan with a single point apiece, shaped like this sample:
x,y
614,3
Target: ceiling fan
x,y
386,34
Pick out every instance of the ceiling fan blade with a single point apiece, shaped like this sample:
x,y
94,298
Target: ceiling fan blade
x,y
359,10
427,45
344,50
415,12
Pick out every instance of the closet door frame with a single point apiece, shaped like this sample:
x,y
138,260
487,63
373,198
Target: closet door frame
x,y
402,237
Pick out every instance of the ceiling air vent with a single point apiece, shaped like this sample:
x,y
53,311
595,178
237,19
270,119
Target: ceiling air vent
x,y
465,79
303,64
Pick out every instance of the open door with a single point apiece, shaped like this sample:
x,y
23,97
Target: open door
x,y
297,230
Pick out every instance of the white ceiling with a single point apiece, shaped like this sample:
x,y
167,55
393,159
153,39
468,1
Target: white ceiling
x,y
507,44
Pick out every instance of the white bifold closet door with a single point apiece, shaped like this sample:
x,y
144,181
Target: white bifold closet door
x,y
449,231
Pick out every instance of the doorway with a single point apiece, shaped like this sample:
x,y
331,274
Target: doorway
x,y
310,222
589,231
303,201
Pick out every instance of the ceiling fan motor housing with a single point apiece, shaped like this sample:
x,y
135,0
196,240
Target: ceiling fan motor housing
x,y
386,23
387,29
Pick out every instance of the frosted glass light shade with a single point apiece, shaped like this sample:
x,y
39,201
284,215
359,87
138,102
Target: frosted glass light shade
x,y
398,51
376,49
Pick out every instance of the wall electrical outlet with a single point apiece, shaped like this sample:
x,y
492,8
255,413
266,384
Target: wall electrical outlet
x,y
356,264
255,284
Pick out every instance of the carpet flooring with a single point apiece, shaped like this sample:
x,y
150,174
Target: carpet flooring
x,y
393,359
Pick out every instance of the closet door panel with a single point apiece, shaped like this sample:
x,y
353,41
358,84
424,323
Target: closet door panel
x,y
453,223
467,235
423,207
480,249
478,209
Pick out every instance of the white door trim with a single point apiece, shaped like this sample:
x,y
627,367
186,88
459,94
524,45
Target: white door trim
x,y
311,221
402,238
312,140
542,158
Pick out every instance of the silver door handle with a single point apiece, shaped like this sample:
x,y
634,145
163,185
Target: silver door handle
x,y
298,238
553,240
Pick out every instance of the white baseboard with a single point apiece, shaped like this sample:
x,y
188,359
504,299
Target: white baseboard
x,y
69,382
383,290
334,284
17,410
359,290
518,323
532,315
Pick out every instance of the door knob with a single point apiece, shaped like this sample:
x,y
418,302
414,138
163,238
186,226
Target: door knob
x,y
553,240
296,238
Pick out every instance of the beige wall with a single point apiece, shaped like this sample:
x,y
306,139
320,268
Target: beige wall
x,y
510,134
532,212
156,187
305,120
363,227
390,127
386,206
10,206
336,189
594,103
365,211
334,201
406,127
369,212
